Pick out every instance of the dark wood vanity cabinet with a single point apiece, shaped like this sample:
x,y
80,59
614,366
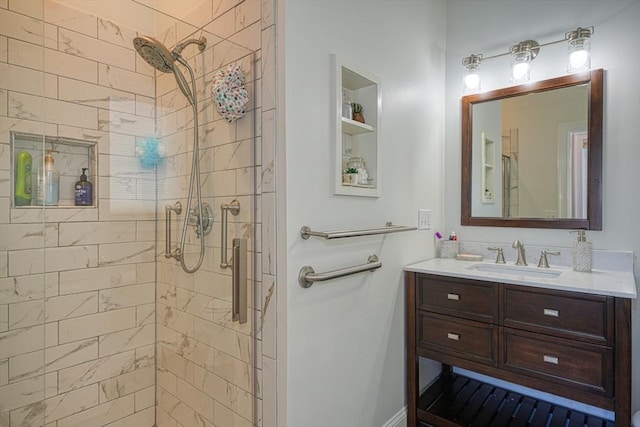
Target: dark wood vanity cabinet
x,y
570,344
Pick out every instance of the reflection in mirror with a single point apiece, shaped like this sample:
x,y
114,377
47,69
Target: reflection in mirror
x,y
528,162
532,154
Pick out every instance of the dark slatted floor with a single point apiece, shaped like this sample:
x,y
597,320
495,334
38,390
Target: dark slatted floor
x,y
458,400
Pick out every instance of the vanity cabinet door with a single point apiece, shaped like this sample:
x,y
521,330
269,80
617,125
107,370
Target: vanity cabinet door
x,y
467,299
464,339
577,365
587,318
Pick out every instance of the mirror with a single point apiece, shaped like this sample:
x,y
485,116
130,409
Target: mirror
x,y
532,154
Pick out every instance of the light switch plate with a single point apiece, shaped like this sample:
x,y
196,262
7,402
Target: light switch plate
x,y
424,219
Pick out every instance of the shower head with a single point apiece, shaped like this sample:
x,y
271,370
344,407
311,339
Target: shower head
x,y
155,53
162,59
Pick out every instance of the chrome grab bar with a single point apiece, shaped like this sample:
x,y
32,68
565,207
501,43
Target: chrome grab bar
x,y
306,232
308,276
177,208
234,208
239,292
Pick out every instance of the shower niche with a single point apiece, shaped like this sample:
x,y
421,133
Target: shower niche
x,y
356,118
70,157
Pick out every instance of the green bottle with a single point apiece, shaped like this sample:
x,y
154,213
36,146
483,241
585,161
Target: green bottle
x,y
22,195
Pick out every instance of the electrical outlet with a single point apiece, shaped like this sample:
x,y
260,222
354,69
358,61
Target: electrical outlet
x,y
424,219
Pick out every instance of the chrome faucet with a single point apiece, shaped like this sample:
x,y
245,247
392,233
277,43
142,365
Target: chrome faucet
x,y
520,247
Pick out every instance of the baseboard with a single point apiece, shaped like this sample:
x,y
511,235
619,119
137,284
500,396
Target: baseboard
x,y
398,420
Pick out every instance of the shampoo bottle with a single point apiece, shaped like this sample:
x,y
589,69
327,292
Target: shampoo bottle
x,y
84,190
22,179
582,253
48,188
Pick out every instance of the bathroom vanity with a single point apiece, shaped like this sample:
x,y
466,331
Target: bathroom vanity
x,y
556,331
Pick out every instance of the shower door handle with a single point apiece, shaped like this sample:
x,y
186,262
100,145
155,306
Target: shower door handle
x,y
239,293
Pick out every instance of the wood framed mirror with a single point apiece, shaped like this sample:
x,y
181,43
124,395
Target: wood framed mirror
x,y
532,154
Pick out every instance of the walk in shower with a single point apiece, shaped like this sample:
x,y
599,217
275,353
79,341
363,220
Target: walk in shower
x,y
97,326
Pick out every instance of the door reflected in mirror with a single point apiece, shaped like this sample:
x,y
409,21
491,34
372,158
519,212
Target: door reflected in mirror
x,y
532,154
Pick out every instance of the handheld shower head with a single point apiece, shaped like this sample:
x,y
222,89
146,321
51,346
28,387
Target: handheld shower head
x,y
182,82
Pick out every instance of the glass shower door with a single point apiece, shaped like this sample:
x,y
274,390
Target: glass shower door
x,y
206,361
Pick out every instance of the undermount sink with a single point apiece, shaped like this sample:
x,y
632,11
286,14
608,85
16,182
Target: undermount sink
x,y
516,270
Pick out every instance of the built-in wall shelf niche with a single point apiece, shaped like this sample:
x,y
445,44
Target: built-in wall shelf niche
x,y
70,156
356,137
488,169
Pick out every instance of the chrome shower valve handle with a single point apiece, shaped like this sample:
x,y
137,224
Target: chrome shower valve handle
x,y
203,225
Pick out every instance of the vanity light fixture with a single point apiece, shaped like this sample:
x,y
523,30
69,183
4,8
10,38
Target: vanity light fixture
x,y
521,56
471,77
579,59
579,49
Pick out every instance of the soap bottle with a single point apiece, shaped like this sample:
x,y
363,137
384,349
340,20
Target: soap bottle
x,y
84,190
582,253
48,188
22,179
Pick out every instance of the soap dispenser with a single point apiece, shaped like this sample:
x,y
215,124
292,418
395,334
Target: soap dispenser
x,y
48,182
582,253
83,190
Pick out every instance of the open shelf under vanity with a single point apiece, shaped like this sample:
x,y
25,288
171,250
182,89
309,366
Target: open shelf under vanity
x,y
456,400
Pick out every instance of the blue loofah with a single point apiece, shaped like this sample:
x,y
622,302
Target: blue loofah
x,y
149,152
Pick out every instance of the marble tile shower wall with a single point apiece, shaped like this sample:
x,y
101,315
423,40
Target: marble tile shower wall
x,y
212,371
77,285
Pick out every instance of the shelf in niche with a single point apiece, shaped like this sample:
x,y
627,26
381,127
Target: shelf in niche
x,y
351,127
55,207
359,185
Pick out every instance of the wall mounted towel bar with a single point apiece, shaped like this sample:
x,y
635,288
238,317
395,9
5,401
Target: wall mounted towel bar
x,y
308,276
305,231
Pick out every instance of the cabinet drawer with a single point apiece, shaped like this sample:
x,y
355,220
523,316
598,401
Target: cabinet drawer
x,y
465,339
458,297
557,360
585,317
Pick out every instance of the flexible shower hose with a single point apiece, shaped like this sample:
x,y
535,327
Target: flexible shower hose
x,y
195,176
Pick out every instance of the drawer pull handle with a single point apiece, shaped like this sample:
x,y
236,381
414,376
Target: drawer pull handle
x,y
550,312
550,359
454,297
455,337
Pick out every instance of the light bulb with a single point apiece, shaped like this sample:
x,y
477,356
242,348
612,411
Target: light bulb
x,y
520,71
472,81
578,59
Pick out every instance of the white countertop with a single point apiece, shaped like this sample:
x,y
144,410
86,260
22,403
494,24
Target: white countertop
x,y
601,282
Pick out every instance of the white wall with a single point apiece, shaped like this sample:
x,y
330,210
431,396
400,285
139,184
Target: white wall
x,y
490,29
345,338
